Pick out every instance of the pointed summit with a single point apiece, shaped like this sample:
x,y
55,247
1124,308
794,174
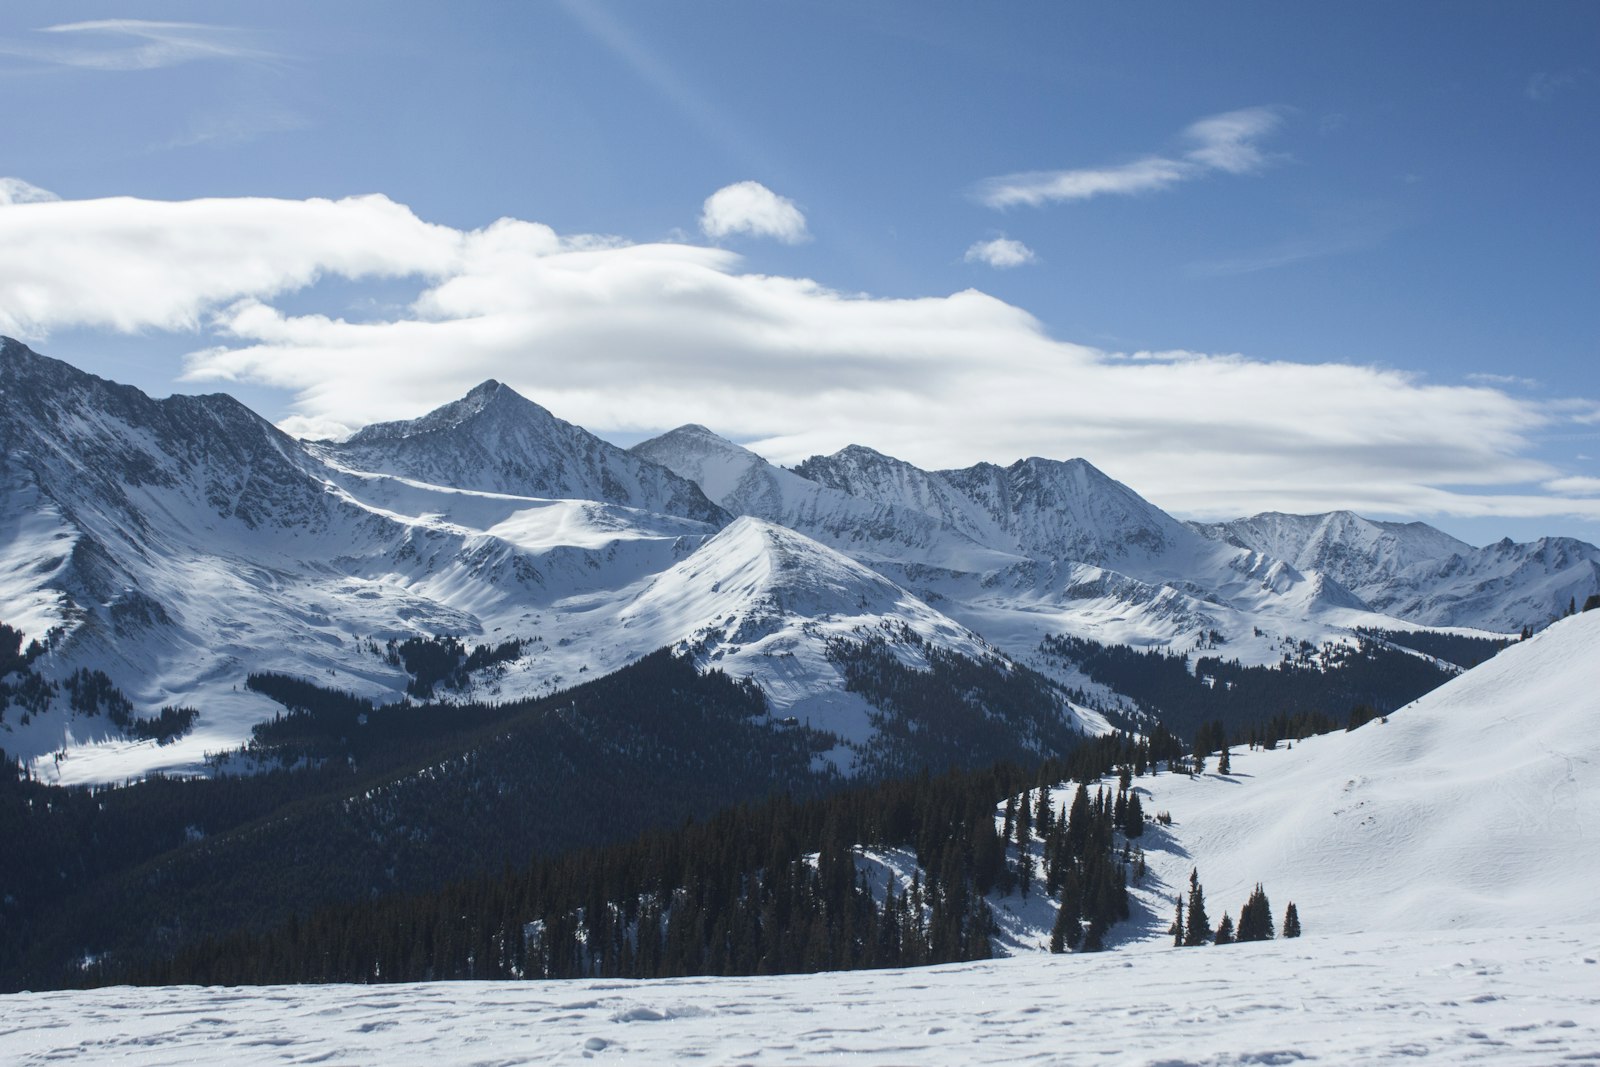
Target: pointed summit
x,y
496,440
487,397
730,474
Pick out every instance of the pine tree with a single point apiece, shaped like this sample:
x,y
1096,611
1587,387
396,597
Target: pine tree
x,y
1291,921
1224,931
1133,816
1177,927
1255,918
1067,929
1224,763
1199,931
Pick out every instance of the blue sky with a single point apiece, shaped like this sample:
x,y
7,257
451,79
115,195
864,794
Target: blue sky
x,y
1241,256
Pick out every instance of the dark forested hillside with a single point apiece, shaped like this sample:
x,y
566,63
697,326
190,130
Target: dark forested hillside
x,y
398,798
1464,650
1328,682
960,712
765,888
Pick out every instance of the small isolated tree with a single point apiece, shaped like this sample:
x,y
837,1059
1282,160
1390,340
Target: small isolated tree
x,y
1177,927
1291,921
1199,931
1225,930
1224,763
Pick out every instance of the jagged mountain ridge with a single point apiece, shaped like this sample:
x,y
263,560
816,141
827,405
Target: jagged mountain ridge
x,y
1020,552
220,546
181,543
1423,575
1046,513
494,440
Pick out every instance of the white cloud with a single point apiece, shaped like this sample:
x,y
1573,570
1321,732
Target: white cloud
x,y
1575,485
1225,142
131,264
630,338
132,44
1001,253
752,208
1034,188
17,191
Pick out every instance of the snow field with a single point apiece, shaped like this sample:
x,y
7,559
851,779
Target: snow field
x,y
1473,807
1500,997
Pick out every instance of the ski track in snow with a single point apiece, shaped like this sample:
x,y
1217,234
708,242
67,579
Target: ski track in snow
x,y
1476,997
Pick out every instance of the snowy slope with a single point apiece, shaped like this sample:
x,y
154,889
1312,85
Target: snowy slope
x,y
761,601
1504,997
1471,807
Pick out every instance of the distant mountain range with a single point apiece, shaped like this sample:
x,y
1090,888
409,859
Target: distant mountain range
x,y
178,545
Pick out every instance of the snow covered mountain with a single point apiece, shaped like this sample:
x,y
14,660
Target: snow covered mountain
x,y
1417,573
869,529
179,544
1020,552
494,440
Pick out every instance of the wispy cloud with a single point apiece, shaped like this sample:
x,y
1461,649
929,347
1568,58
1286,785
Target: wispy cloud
x,y
622,337
132,44
751,208
1285,253
1001,253
1341,231
1547,84
235,127
1501,380
1225,143
1576,485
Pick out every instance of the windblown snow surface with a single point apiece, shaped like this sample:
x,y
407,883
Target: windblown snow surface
x,y
1444,865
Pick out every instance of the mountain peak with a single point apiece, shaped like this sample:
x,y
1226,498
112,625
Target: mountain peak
x,y
485,397
496,440
691,435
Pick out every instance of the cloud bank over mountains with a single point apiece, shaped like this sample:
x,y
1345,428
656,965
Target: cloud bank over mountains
x,y
634,338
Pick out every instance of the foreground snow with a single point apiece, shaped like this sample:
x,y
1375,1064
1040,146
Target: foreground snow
x,y
1464,997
